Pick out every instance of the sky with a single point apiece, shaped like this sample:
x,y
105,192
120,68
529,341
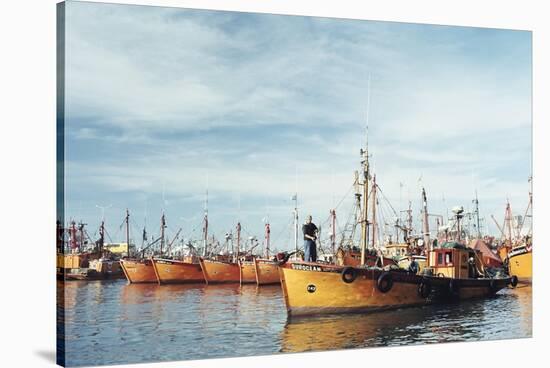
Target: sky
x,y
164,104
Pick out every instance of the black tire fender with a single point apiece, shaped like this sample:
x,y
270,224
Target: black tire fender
x,y
424,289
514,281
349,274
384,282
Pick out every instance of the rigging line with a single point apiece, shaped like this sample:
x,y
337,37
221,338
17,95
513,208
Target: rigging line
x,y
283,230
386,199
345,196
109,236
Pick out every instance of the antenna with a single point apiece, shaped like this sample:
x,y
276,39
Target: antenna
x,y
163,197
239,206
368,113
103,208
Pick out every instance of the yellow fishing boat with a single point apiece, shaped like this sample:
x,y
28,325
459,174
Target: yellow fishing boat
x,y
520,262
453,272
313,288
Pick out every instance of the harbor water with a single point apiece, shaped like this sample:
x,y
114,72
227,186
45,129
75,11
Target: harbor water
x,y
111,322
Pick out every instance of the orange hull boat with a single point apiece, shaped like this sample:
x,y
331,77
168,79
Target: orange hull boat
x,y
248,272
170,271
267,272
220,272
138,270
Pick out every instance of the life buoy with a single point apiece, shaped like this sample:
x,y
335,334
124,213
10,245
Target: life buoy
x,y
384,282
349,274
514,281
424,289
453,287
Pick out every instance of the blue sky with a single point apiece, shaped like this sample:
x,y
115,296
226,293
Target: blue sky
x,y
167,102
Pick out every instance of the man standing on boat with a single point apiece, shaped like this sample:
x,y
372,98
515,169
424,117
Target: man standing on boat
x,y
310,236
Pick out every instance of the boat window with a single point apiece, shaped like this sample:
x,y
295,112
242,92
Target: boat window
x,y
439,258
449,257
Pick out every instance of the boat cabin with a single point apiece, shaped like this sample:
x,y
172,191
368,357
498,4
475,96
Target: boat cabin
x,y
396,250
455,260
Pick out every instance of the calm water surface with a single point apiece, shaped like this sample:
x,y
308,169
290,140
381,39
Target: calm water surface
x,y
110,322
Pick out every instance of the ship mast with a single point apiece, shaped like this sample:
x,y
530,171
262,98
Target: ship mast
x,y
205,226
128,231
365,166
508,220
364,221
81,231
333,229
267,239
476,202
162,227
73,236
238,239
101,235
295,199
373,210
425,224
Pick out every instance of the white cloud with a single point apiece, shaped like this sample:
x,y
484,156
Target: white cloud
x,y
166,97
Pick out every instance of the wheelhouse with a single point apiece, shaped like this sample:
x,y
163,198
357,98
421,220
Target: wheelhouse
x,y
455,260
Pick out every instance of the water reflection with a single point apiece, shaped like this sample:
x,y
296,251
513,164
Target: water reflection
x,y
507,315
110,322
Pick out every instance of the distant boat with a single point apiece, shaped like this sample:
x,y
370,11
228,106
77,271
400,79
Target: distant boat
x,y
517,250
98,264
224,269
140,270
266,268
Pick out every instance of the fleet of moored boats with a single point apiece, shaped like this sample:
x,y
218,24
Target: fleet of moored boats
x,y
353,276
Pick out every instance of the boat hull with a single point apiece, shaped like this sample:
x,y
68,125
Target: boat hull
x,y
267,272
216,272
96,269
521,265
312,289
177,272
139,271
247,272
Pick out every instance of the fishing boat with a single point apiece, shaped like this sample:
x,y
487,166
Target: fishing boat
x,y
520,258
186,269
237,269
266,268
454,272
79,264
247,271
520,261
517,249
140,269
267,271
171,271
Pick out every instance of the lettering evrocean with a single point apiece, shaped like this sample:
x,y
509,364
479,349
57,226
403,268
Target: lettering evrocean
x,y
306,268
